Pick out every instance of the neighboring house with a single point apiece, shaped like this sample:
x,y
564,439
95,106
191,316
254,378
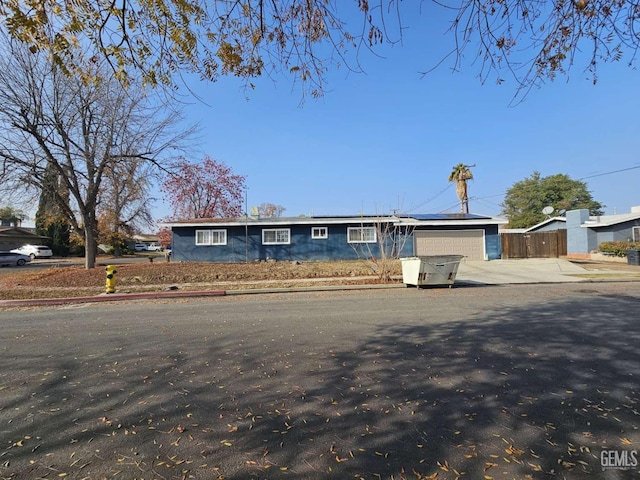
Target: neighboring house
x,y
10,223
501,230
585,232
146,238
547,239
14,237
334,238
549,225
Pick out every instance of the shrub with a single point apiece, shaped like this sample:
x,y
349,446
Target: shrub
x,y
618,249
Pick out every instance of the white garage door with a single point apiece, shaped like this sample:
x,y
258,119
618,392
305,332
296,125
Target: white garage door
x,y
469,243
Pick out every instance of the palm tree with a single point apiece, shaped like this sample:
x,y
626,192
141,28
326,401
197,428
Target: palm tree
x,y
460,174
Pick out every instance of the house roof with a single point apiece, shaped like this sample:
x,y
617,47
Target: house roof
x,y
546,222
403,219
609,220
20,232
146,237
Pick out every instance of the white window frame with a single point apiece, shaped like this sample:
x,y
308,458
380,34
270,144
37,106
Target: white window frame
x,y
211,237
277,231
319,233
635,234
363,236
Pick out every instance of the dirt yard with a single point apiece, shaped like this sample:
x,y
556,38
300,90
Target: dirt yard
x,y
70,281
58,281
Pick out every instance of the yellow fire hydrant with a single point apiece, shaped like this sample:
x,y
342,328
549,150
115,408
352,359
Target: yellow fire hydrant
x,y
110,284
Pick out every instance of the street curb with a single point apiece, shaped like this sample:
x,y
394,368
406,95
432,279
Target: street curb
x,y
256,291
110,298
185,294
325,288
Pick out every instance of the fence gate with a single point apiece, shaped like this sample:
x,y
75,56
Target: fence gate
x,y
534,245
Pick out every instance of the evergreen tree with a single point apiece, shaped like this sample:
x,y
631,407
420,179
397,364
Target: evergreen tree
x,y
50,220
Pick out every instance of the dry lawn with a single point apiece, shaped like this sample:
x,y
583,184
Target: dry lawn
x,y
71,281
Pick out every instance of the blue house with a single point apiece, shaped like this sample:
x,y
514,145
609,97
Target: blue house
x,y
323,238
585,232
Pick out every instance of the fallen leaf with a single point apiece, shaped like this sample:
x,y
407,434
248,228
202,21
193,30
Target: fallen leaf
x,y
489,465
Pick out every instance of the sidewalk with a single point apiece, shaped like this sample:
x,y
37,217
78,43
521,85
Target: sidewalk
x,y
470,273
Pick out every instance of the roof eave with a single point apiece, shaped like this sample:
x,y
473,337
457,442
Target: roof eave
x,y
340,221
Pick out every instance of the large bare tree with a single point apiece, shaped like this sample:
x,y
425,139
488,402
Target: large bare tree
x,y
83,128
125,207
529,40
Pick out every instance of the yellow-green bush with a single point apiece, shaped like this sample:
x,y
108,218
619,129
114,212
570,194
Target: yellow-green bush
x,y
619,249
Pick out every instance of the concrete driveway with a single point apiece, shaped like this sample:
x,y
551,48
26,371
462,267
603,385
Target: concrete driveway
x,y
530,270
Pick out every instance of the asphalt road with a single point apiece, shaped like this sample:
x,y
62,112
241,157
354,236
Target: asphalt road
x,y
490,382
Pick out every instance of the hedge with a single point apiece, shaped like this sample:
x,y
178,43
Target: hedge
x,y
619,249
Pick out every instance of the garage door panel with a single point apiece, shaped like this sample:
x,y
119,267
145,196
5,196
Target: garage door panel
x,y
469,243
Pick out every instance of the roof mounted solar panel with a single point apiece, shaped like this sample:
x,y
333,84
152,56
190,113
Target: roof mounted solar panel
x,y
447,216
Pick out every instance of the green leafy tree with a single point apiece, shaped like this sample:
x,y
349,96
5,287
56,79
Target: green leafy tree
x,y
525,200
530,40
11,216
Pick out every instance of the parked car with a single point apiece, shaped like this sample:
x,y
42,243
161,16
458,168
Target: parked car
x,y
140,247
12,258
34,251
154,247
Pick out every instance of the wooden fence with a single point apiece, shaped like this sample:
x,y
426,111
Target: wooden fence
x,y
534,245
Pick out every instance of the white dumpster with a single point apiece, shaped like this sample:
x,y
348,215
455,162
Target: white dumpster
x,y
430,269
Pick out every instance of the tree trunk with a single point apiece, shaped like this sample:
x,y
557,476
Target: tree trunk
x,y
461,191
90,243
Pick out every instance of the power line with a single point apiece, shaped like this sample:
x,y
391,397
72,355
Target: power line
x,y
432,198
487,202
582,178
504,193
610,173
444,210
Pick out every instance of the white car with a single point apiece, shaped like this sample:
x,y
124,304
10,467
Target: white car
x,y
12,258
34,251
140,247
154,247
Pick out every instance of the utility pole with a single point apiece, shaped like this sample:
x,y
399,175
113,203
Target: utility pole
x,y
246,225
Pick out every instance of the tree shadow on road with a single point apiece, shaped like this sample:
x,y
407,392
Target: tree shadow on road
x,y
531,392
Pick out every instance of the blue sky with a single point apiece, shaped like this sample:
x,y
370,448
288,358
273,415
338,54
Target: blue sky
x,y
388,139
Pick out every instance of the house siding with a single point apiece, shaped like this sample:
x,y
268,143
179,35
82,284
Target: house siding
x,y
245,244
621,232
301,247
493,245
583,238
